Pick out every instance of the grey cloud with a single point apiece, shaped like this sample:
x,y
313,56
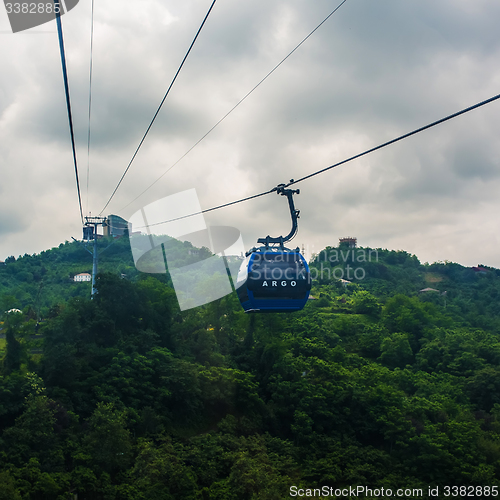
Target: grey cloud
x,y
375,70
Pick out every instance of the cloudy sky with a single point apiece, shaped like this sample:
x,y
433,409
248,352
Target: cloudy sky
x,y
377,69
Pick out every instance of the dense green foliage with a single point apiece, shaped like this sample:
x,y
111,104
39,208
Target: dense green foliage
x,y
126,397
43,280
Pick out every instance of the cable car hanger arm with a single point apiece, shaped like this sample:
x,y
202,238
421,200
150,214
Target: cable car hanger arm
x,y
281,189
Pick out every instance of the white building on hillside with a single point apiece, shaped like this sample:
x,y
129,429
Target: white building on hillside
x,y
82,277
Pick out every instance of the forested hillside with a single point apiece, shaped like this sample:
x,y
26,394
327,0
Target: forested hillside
x,y
373,384
46,279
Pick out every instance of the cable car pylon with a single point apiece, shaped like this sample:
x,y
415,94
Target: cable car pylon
x,y
89,234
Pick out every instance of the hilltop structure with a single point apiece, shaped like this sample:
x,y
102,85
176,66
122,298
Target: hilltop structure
x,y
116,226
352,242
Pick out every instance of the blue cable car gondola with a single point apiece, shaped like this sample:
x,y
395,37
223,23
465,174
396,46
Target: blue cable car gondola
x,y
273,278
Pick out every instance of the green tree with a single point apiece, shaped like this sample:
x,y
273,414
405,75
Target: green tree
x,y
16,351
160,472
396,351
33,436
405,314
365,303
8,489
109,441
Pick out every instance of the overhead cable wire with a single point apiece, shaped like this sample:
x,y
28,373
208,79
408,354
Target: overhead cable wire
x,y
401,137
210,209
90,96
240,101
68,101
160,106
